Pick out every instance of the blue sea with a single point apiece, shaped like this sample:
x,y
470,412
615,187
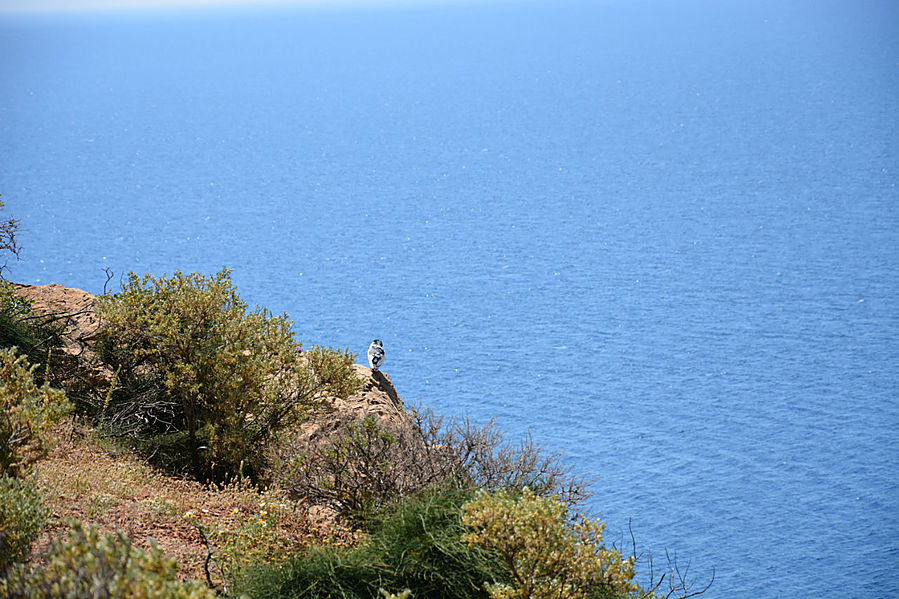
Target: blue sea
x,y
662,236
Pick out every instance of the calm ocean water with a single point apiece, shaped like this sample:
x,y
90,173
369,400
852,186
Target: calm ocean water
x,y
660,235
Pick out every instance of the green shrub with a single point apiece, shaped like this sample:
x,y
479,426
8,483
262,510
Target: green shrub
x,y
22,516
320,572
421,540
194,366
416,546
461,544
549,556
26,413
89,564
11,302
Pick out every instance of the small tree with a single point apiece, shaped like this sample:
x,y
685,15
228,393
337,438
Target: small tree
x,y
548,556
193,365
8,242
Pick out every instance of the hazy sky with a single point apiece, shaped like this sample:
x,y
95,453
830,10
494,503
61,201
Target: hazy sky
x,y
56,5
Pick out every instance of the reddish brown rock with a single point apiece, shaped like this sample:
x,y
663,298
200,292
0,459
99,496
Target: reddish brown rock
x,y
72,306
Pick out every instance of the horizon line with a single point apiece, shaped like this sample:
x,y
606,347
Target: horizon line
x,y
83,6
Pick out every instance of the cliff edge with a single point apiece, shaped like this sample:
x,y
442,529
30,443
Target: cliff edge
x,y
376,397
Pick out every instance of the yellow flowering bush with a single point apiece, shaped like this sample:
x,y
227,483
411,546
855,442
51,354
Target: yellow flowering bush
x,y
547,555
27,411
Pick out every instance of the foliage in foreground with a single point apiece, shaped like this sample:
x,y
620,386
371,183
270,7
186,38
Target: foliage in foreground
x,y
242,541
26,413
365,465
467,544
421,539
198,375
547,555
22,516
416,546
89,564
457,544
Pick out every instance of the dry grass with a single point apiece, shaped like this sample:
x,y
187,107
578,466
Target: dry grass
x,y
86,479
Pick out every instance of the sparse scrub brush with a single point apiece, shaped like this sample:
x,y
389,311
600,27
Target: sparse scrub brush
x,y
39,337
367,464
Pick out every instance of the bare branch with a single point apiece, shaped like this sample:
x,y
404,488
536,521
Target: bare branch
x,y
212,561
109,276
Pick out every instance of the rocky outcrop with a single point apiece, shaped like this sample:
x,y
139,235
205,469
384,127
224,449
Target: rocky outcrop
x,y
73,307
377,398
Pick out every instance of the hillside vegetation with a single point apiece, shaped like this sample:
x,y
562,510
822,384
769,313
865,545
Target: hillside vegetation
x,y
169,441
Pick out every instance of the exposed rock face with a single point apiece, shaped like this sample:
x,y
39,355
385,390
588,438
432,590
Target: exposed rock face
x,y
377,398
74,306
